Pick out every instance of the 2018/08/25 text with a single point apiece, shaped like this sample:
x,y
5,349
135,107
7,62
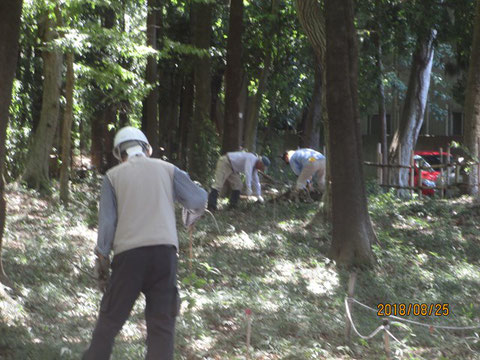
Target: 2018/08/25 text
x,y
416,309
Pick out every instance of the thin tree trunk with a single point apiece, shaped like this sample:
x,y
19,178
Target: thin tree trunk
x,y
185,117
255,101
405,138
311,129
382,114
36,170
37,90
352,228
233,78
202,135
216,111
472,102
151,102
242,106
67,129
96,132
10,11
101,136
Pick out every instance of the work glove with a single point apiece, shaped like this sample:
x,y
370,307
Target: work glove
x,y
190,217
102,270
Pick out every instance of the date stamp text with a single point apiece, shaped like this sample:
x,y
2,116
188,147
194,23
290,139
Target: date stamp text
x,y
415,309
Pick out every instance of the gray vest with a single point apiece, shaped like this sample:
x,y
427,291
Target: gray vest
x,y
145,204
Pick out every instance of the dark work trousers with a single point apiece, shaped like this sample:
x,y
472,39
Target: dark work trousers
x,y
151,270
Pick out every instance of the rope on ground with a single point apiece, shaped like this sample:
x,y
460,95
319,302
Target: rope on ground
x,y
393,337
445,327
368,337
215,220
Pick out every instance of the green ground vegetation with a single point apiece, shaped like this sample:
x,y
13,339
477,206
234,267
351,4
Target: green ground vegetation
x,y
269,258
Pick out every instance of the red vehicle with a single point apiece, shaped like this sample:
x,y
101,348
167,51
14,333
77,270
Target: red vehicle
x,y
429,175
433,157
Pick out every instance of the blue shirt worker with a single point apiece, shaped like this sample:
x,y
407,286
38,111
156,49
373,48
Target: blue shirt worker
x,y
137,222
307,164
229,168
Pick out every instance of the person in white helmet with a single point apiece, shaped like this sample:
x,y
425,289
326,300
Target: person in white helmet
x,y
137,222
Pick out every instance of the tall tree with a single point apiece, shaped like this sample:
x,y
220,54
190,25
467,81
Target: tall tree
x,y
36,170
254,101
382,113
472,101
104,117
233,78
405,138
202,133
10,11
151,124
312,19
312,124
67,129
352,228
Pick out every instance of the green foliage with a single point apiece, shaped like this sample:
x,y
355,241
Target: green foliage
x,y
18,136
263,258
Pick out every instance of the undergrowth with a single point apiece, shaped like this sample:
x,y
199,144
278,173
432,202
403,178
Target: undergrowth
x,y
261,257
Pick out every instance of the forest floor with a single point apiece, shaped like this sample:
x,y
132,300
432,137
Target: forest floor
x,y
266,258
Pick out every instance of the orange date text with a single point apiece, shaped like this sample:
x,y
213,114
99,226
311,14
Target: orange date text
x,y
416,309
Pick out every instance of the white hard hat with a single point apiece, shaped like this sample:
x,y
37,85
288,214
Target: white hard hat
x,y
129,133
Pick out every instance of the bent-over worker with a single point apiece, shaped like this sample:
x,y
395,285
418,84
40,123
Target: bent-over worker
x,y
308,165
229,168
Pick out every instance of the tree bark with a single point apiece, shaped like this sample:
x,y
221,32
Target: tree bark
x,y
352,228
185,118
312,20
405,138
311,130
233,78
472,102
67,130
254,101
36,170
151,102
10,11
103,118
382,114
203,134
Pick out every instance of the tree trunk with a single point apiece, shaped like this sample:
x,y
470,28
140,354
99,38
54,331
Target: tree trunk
x,y
151,102
313,22
10,11
311,130
472,103
405,138
216,111
103,118
174,112
382,114
255,101
233,78
96,132
67,129
36,170
352,229
202,135
185,118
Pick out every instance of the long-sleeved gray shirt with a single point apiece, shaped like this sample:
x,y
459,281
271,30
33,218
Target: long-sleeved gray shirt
x,y
185,191
244,162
